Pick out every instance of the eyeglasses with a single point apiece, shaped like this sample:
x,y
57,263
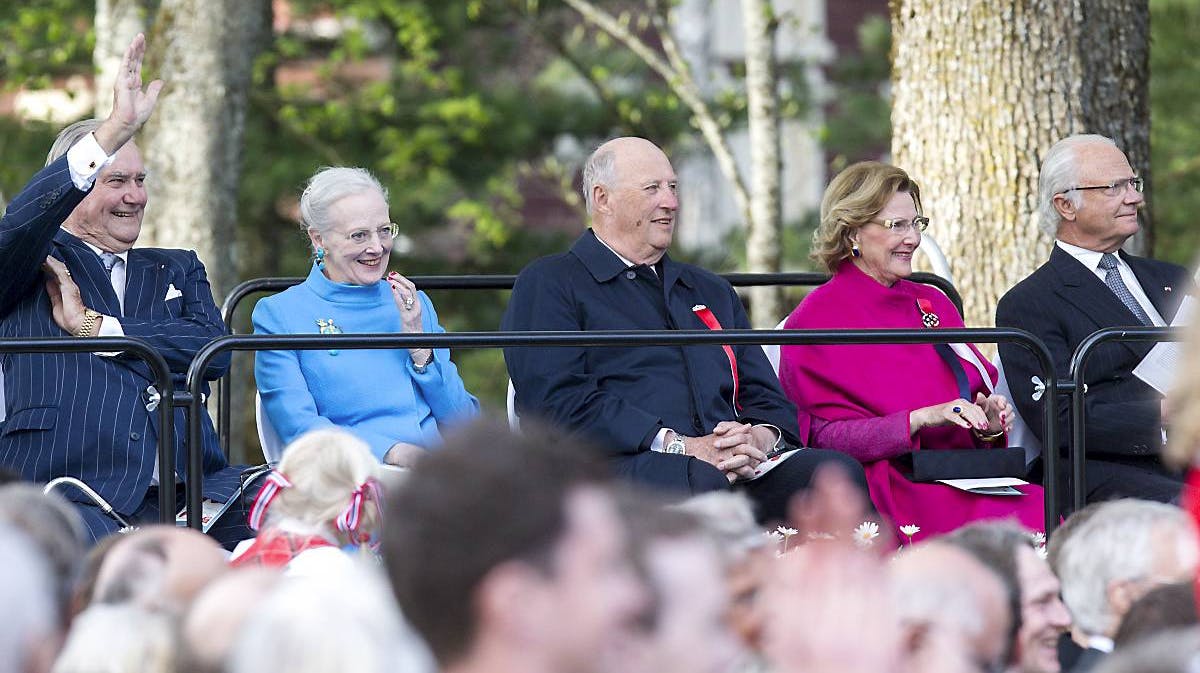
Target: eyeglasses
x,y
900,225
385,233
1113,188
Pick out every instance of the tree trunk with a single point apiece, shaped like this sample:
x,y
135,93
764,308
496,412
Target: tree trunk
x,y
117,21
204,51
763,229
981,89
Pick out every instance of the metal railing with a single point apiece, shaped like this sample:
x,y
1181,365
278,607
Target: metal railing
x,y
240,292
195,376
1078,390
162,382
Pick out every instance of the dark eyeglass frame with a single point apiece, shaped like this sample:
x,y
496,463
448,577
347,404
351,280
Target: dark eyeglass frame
x,y
920,223
1113,188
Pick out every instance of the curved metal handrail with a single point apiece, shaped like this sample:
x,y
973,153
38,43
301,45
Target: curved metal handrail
x,y
505,282
256,342
1079,362
162,381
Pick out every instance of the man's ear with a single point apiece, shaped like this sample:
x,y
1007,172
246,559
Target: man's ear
x,y
1120,595
1065,207
600,200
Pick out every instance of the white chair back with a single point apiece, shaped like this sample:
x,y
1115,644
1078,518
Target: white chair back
x,y
1021,435
514,419
772,350
268,437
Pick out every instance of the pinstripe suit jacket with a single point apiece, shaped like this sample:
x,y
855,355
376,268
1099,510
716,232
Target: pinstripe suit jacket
x,y
1062,303
83,415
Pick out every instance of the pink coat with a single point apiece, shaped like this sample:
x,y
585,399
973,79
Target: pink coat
x,y
858,399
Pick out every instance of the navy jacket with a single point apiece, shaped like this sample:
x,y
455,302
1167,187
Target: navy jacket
x,y
619,397
1064,302
83,415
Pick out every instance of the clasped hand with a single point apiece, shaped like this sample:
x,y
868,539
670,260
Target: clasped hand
x,y
734,448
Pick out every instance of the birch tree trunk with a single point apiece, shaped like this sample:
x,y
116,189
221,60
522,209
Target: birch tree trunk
x,y
117,21
204,51
766,219
981,89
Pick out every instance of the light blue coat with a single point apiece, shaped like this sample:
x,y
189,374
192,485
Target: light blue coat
x,y
376,394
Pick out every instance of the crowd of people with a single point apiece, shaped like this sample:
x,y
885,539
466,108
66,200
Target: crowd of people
x,y
661,508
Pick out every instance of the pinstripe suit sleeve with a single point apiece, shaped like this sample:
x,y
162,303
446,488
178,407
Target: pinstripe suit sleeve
x,y
179,339
28,227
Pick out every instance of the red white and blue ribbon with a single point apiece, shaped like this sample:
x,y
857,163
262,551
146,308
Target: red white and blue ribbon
x,y
351,517
274,483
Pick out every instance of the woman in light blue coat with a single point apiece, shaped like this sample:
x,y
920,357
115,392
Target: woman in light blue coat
x,y
397,400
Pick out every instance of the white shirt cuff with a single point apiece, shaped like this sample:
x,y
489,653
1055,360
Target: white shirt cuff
x,y
85,159
659,439
110,327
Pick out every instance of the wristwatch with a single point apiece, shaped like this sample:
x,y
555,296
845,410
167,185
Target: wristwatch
x,y
676,444
422,366
88,326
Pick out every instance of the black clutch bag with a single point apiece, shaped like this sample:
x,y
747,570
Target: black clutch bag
x,y
933,464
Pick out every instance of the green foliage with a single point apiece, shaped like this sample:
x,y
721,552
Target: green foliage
x,y
1174,135
42,40
859,125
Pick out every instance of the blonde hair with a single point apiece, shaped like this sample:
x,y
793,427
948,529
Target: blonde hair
x,y
852,199
325,467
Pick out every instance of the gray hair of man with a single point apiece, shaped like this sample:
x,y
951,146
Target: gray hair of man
x,y
1117,543
126,638
339,621
31,619
599,169
942,585
54,526
1060,172
329,185
69,136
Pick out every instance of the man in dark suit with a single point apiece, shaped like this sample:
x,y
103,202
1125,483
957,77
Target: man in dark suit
x,y
688,419
1089,198
68,267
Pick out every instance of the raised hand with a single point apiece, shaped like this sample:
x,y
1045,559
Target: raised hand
x,y
404,293
131,104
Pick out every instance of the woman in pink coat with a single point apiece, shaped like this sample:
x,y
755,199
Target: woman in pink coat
x,y
879,402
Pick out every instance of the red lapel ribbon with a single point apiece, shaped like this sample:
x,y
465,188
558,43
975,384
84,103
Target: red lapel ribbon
x,y
710,321
928,318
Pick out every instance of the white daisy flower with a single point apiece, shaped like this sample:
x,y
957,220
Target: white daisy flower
x,y
910,530
865,534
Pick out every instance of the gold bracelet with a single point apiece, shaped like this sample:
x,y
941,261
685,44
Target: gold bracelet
x,y
90,324
989,437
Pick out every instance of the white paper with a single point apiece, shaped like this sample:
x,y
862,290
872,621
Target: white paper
x,y
1159,366
988,486
770,464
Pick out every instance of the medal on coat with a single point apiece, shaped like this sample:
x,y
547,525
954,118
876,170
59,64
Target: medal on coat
x,y
928,317
326,326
